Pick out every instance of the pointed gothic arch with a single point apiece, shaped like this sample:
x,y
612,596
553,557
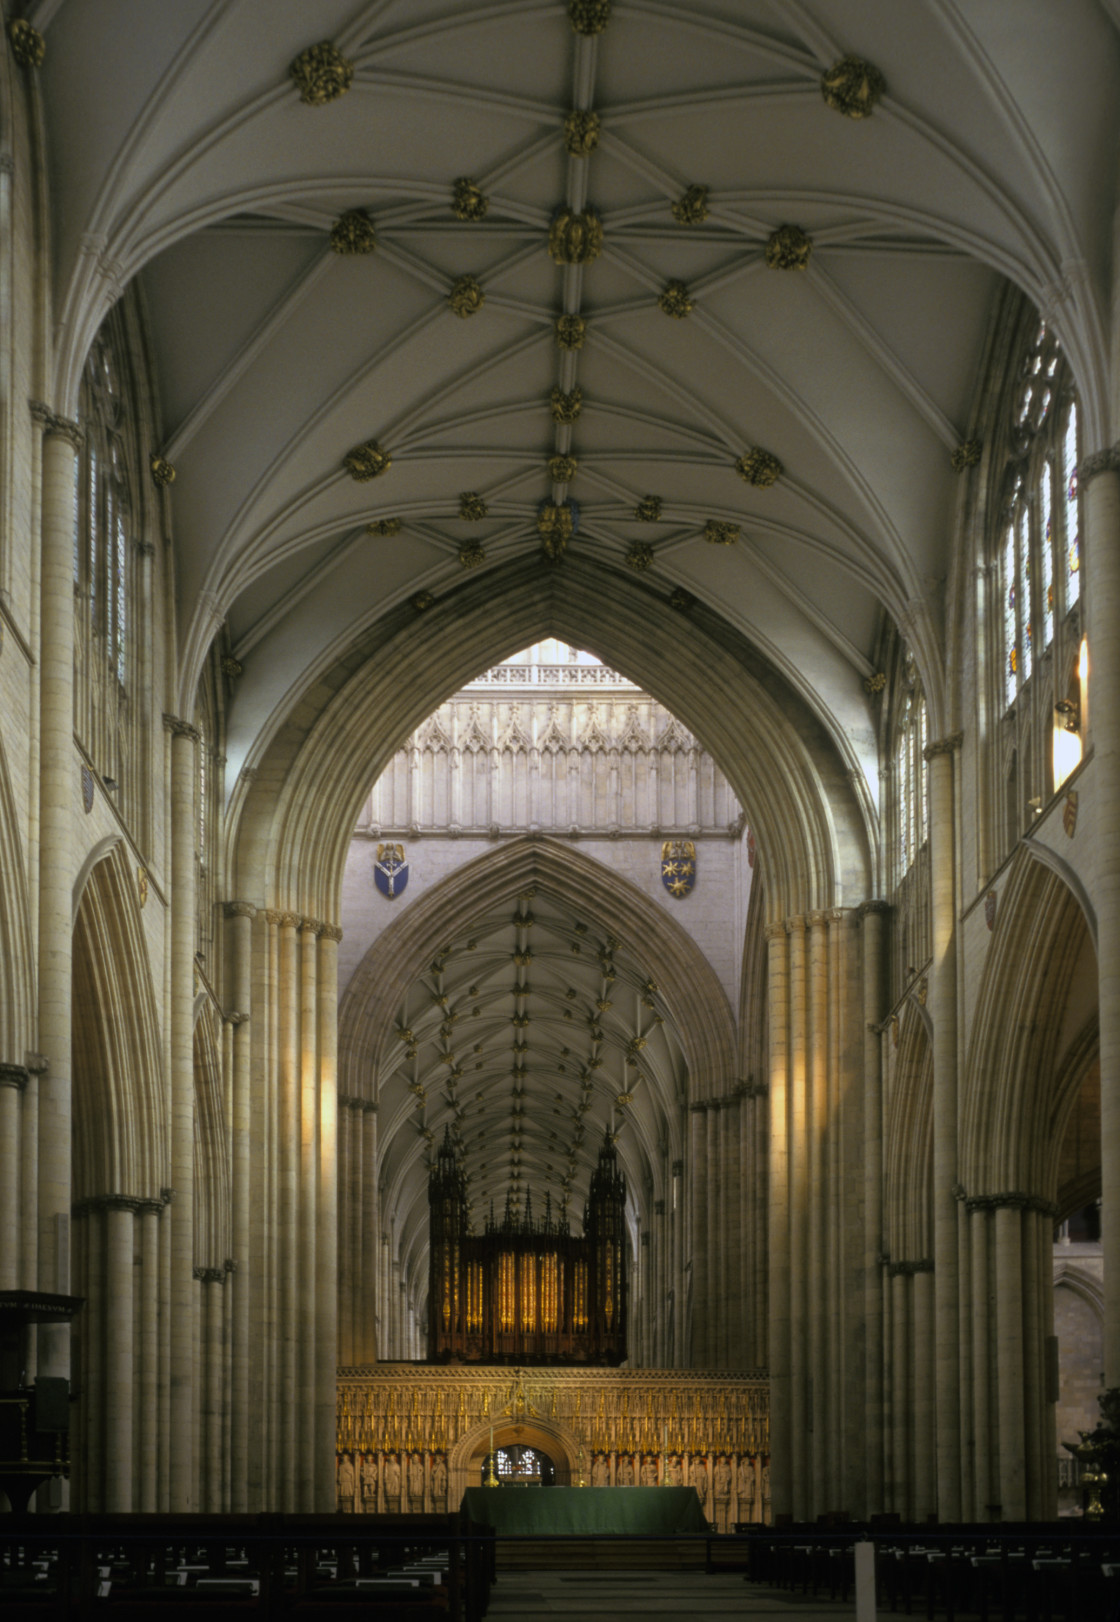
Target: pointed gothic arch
x,y
295,813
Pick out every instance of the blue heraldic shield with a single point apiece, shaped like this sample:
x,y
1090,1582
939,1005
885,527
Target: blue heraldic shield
x,y
678,867
390,870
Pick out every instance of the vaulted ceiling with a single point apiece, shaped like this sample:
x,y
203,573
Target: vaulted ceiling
x,y
848,350
527,1039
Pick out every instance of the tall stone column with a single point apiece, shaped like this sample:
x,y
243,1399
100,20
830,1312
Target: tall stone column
x,y
147,1441
1009,1359
184,1289
119,1234
287,1251
350,1227
943,1006
307,1309
369,1287
1100,476
823,1353
925,1475
799,1215
326,1238
979,1226
871,915
698,1212
676,1220
13,1081
901,1392
58,798
777,993
240,915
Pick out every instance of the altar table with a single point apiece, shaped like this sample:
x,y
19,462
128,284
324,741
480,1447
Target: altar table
x,y
586,1511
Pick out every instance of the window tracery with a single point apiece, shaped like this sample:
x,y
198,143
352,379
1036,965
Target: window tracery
x,y
1040,552
1036,554
107,528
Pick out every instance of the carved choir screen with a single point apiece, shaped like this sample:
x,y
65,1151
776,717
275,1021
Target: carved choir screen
x,y
526,1291
411,1437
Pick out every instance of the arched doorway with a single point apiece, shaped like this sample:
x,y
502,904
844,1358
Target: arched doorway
x,y
515,1435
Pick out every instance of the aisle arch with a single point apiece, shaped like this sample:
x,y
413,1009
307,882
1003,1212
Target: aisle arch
x,y
120,1120
1014,1098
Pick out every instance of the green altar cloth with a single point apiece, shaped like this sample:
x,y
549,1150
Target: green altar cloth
x,y
585,1511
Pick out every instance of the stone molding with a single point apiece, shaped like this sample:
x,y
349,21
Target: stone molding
x,y
1106,461
113,1202
349,1101
181,729
14,1075
943,746
56,427
1011,1200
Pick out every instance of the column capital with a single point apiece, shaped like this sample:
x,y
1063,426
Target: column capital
x,y
1105,461
1008,1200
56,427
181,729
795,925
943,746
866,908
289,920
908,1269
270,915
774,932
236,1018
330,932
240,909
14,1075
108,1202
818,919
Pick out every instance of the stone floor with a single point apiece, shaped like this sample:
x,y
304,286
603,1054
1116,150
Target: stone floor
x,y
528,1596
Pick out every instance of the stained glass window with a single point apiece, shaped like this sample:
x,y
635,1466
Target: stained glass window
x,y
1046,505
1010,614
1023,553
1073,510
911,771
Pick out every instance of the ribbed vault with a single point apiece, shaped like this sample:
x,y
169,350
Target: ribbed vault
x,y
617,1020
